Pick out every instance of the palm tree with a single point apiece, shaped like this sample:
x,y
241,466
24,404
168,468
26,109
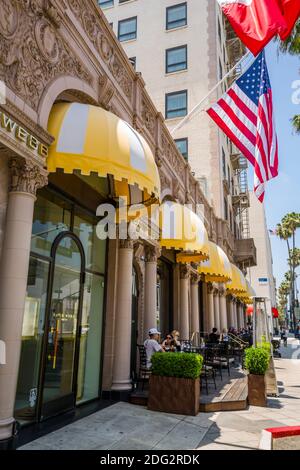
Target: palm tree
x,y
296,123
286,230
292,46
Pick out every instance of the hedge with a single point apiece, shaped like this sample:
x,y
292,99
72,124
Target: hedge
x,y
257,360
181,365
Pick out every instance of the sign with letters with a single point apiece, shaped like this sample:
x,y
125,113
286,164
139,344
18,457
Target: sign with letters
x,y
20,134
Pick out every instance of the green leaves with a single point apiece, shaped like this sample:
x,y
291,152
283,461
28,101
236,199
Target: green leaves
x,y
257,360
181,365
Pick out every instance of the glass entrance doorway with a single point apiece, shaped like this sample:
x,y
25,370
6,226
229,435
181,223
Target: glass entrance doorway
x,y
63,332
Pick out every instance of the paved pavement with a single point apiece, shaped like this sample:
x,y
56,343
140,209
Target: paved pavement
x,y
130,427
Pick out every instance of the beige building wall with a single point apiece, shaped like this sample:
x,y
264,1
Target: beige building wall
x,y
264,268
3,196
207,53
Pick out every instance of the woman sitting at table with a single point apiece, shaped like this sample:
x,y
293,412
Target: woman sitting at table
x,y
169,344
176,335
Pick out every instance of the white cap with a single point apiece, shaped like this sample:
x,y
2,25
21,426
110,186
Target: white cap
x,y
153,331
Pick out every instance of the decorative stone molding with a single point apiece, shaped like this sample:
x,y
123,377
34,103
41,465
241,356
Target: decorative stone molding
x,y
26,177
152,253
184,271
106,92
102,43
149,117
128,244
32,53
210,288
195,278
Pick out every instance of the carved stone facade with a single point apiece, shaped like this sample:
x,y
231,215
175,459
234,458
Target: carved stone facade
x,y
26,177
32,51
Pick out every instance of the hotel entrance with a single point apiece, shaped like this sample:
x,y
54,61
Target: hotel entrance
x,y
62,328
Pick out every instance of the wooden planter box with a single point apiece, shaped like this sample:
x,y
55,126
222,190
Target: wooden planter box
x,y
257,392
174,395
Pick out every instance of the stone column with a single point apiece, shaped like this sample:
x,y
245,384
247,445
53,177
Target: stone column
x,y
152,254
210,301
217,310
195,278
223,309
184,302
235,316
121,370
231,313
26,178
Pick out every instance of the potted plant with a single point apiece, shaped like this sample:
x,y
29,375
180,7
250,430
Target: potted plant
x,y
257,363
174,385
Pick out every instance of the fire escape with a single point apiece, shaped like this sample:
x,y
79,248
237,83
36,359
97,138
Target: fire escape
x,y
245,251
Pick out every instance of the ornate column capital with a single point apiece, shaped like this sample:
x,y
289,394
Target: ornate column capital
x,y
127,244
184,271
26,177
222,291
195,278
152,253
210,288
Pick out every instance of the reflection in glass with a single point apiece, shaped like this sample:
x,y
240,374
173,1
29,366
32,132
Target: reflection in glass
x,y
90,341
32,335
94,248
51,217
63,322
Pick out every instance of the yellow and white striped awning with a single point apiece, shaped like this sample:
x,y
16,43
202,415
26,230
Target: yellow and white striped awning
x,y
183,230
238,283
218,267
247,297
89,139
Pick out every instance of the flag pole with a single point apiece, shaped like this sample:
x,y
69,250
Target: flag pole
x,y
181,123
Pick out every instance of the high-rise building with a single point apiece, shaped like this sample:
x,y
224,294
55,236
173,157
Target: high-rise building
x,y
183,49
261,276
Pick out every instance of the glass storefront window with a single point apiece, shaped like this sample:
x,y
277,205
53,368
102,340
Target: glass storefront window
x,y
32,336
90,341
63,320
94,248
51,216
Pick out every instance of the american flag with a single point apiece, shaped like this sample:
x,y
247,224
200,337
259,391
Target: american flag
x,y
245,114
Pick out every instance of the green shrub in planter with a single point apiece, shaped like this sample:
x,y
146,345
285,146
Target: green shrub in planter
x,y
181,365
257,360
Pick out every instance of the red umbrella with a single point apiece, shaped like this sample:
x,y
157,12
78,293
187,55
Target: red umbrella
x,y
249,311
275,312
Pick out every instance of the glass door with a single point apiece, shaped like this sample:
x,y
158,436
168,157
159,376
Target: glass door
x,y
63,326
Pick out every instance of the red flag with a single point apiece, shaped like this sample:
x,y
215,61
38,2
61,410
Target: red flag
x,y
256,22
291,12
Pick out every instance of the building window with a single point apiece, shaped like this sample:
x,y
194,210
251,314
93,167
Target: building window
x,y
106,3
132,60
182,145
176,16
123,1
225,209
127,29
176,104
176,59
224,163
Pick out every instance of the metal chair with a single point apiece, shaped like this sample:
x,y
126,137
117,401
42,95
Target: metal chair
x,y
144,373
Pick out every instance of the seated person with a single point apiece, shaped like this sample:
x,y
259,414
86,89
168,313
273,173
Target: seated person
x,y
213,337
151,345
176,335
224,336
169,343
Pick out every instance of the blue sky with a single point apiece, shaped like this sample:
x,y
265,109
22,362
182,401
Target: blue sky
x,y
283,193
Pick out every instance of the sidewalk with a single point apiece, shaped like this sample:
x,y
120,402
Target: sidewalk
x,y
129,427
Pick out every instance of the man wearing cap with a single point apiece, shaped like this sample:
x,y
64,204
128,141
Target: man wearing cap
x,y
152,345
